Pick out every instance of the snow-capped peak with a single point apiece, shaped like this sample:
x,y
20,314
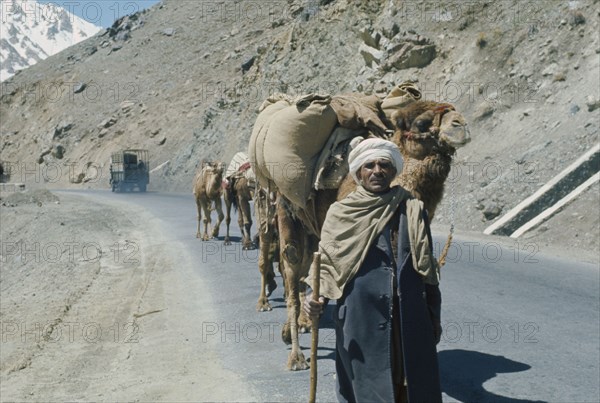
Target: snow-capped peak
x,y
31,31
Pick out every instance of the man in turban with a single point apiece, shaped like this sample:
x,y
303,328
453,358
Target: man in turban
x,y
388,304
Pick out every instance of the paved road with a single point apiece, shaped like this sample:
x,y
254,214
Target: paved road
x,y
518,326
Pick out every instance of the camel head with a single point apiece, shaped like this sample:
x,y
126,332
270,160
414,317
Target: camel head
x,y
427,127
212,174
214,168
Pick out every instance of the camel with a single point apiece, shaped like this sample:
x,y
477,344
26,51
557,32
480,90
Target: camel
x,y
238,190
207,192
237,193
428,134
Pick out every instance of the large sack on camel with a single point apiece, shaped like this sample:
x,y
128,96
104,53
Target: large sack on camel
x,y
286,142
269,107
400,96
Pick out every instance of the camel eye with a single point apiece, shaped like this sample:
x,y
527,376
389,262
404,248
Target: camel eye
x,y
422,125
456,123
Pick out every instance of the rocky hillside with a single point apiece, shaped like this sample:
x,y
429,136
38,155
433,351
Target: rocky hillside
x,y
184,79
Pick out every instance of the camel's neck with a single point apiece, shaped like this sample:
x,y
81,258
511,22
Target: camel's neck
x,y
212,183
426,178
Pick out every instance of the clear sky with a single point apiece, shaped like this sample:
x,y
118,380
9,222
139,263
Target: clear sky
x,y
102,12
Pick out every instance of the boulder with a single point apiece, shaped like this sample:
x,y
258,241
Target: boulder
x,y
483,111
371,55
592,103
58,151
491,211
79,87
411,56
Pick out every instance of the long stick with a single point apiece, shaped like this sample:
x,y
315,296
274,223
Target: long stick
x,y
316,270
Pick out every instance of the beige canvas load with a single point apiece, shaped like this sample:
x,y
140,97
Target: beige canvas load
x,y
269,108
400,96
286,142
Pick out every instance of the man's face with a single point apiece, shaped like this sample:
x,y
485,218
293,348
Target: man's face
x,y
377,175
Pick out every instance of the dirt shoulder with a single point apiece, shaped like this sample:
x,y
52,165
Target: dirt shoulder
x,y
97,304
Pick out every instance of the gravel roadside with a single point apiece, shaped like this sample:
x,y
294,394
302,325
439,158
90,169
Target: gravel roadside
x,y
97,304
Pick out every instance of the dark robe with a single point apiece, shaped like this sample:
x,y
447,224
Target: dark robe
x,y
365,353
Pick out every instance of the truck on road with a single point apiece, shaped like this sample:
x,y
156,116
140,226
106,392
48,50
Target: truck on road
x,y
129,170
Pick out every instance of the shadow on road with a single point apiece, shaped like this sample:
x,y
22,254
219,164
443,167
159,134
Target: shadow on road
x,y
464,372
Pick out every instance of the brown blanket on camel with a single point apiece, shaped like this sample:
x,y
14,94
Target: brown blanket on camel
x,y
360,112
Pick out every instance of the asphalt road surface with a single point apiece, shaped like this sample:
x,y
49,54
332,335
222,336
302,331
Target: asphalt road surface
x,y
518,326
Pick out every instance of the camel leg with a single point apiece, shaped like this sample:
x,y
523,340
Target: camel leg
x,y
282,272
220,217
241,224
228,196
293,247
273,253
304,322
245,222
199,215
266,234
256,240
265,266
206,220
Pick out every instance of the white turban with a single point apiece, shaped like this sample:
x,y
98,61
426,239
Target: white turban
x,y
368,150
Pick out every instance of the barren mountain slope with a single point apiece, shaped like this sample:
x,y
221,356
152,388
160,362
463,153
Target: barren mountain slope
x,y
184,79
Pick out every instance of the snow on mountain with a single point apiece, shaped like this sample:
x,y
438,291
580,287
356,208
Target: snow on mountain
x,y
31,32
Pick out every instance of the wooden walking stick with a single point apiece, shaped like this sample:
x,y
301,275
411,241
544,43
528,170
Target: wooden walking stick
x,y
315,268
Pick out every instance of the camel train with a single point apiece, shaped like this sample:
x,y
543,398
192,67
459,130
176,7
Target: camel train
x,y
236,185
312,134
